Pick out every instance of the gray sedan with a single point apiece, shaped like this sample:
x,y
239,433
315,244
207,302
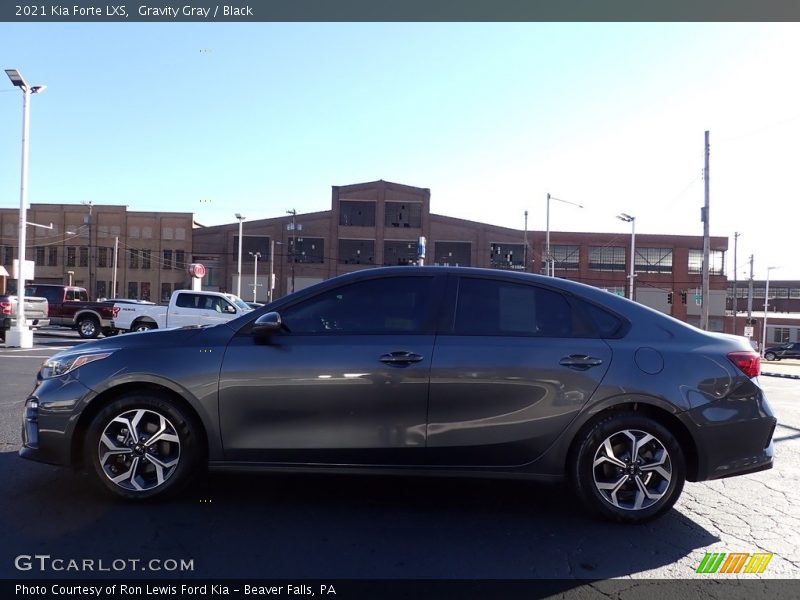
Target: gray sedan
x,y
451,371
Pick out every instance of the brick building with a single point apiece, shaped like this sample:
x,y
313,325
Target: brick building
x,y
153,248
379,223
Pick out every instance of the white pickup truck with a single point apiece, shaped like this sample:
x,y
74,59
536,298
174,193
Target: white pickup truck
x,y
186,307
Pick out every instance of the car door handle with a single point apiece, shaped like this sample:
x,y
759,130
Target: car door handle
x,y
580,361
400,359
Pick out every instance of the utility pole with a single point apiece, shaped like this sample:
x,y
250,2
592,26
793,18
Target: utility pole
x,y
736,235
293,212
706,244
89,286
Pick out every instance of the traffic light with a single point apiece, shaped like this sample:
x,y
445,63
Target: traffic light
x,y
683,297
669,298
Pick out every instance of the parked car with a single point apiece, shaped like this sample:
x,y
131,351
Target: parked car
x,y
35,312
456,371
790,350
186,308
70,307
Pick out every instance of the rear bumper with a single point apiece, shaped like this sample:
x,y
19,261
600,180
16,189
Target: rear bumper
x,y
733,436
8,323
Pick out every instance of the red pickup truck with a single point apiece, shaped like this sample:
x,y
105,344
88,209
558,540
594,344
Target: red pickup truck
x,y
70,307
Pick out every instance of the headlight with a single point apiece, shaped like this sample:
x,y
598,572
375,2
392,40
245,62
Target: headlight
x,y
61,365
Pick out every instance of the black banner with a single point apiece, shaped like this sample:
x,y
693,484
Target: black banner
x,y
624,589
400,10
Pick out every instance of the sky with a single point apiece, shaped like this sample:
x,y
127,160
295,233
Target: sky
x,y
259,118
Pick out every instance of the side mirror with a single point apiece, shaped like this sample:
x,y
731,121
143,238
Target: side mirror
x,y
230,309
267,324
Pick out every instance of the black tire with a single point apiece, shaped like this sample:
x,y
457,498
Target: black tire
x,y
180,460
88,327
143,326
620,429
110,331
770,356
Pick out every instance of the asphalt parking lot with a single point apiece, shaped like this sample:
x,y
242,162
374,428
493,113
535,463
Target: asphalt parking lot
x,y
315,526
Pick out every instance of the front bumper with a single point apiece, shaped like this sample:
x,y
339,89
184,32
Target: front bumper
x,y
49,420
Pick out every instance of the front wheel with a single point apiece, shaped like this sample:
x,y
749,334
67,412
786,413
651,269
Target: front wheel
x,y
771,356
143,326
628,467
142,446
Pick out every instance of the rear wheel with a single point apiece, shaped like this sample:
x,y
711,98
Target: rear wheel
x,y
628,467
110,331
771,356
88,327
143,445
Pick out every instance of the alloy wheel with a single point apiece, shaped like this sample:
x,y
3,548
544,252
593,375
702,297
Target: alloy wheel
x,y
632,470
139,450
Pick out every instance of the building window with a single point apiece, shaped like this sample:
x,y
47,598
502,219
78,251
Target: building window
x,y
166,233
452,254
180,259
133,259
356,252
52,256
84,258
133,289
399,253
607,258
565,257
356,213
403,214
71,253
180,233
133,232
507,256
8,255
306,250
654,260
716,262
758,292
781,293
166,291
166,262
101,289
794,293
147,233
39,260
145,258
617,290
145,290
781,335
103,257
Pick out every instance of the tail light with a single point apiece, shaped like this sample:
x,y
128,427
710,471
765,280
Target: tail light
x,y
5,307
748,362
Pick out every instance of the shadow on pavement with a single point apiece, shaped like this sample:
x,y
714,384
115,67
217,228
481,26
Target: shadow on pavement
x,y
328,526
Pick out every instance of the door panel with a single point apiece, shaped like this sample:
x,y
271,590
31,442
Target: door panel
x,y
325,399
504,400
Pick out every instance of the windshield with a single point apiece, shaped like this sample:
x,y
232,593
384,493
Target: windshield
x,y
238,301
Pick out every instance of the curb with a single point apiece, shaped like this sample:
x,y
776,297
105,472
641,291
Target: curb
x,y
783,375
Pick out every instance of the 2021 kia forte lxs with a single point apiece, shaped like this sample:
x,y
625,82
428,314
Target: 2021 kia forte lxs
x,y
416,369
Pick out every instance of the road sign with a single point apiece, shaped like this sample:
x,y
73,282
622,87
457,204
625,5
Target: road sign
x,y
748,331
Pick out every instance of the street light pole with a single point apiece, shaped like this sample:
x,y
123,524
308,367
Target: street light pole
x,y
256,256
271,267
20,336
632,272
766,307
239,263
525,245
550,263
89,249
